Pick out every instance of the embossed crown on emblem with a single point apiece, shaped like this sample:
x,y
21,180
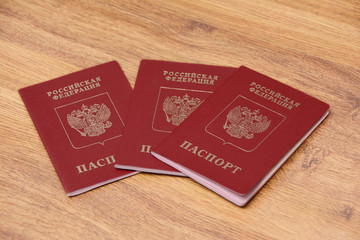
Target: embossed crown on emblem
x,y
90,121
243,122
177,109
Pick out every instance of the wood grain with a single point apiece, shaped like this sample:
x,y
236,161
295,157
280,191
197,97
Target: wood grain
x,y
310,45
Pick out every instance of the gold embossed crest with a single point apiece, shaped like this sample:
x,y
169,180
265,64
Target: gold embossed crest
x,y
243,122
90,121
178,108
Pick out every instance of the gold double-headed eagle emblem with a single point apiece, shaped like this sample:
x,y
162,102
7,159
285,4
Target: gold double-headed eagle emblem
x,y
178,108
243,122
90,121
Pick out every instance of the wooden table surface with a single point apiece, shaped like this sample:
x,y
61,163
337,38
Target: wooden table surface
x,y
312,45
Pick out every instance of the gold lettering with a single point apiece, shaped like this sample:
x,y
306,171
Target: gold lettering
x,y
228,164
236,168
210,155
110,159
75,88
217,162
220,162
272,96
92,166
186,77
188,144
145,148
193,149
284,104
81,168
200,152
99,164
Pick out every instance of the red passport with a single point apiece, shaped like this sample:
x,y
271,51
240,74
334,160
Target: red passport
x,y
80,119
165,94
242,134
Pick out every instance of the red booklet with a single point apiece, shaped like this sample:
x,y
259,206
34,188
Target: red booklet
x,y
165,94
242,134
80,119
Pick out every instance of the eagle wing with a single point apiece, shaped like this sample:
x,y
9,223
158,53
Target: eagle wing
x,y
259,127
103,114
75,122
169,106
197,104
234,116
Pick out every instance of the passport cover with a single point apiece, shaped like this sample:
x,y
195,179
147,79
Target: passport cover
x,y
242,134
165,94
80,119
